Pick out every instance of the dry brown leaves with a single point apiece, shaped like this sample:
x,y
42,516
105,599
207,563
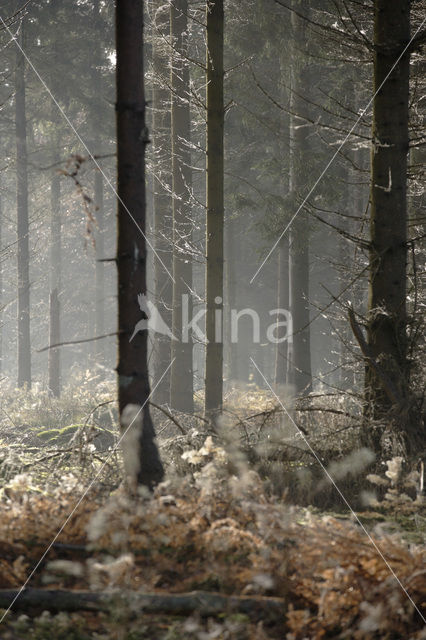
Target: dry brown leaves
x,y
226,535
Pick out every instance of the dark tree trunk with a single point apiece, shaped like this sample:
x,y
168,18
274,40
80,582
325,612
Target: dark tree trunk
x,y
301,347
387,322
132,137
181,378
54,363
162,202
214,205
301,375
24,341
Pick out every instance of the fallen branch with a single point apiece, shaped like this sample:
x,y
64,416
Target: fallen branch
x,y
338,412
269,412
203,602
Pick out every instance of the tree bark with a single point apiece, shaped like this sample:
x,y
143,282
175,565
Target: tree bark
x,y
54,363
214,206
162,202
132,137
181,377
386,325
24,341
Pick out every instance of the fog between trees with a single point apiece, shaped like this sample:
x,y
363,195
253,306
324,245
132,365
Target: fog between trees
x,y
277,235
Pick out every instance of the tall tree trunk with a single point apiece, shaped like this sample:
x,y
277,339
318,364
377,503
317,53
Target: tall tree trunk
x,y
99,201
132,137
54,363
299,234
283,275
386,326
214,205
1,279
231,300
24,341
99,268
162,203
181,378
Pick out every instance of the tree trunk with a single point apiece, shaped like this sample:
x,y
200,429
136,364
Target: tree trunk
x,y
386,325
283,275
162,203
301,375
181,377
99,268
132,137
99,202
1,279
231,301
301,356
281,352
214,206
54,364
24,342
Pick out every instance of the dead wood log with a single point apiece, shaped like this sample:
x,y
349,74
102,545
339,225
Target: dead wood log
x,y
205,603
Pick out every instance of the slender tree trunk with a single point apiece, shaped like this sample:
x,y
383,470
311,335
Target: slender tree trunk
x,y
214,205
387,322
132,137
162,202
24,341
99,201
181,378
54,363
283,276
231,299
1,278
99,267
299,233
281,352
299,255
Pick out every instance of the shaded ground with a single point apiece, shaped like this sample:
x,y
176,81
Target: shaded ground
x,y
215,531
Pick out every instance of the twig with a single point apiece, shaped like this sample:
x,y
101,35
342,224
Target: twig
x,y
169,415
64,344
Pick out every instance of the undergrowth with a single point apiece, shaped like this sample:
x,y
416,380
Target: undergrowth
x,y
233,517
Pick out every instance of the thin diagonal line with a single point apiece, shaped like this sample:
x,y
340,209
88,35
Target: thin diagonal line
x,y
334,156
82,497
80,139
314,453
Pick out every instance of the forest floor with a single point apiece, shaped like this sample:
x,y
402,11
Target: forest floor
x,y
214,553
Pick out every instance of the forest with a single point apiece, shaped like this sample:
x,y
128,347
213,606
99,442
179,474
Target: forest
x,y
212,315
